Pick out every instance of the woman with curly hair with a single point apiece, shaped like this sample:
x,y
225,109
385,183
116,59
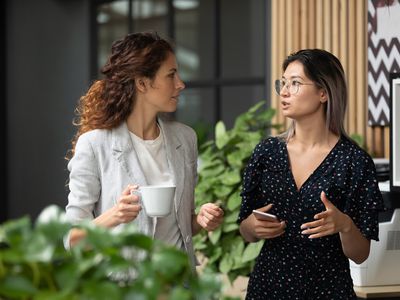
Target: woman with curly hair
x,y
122,143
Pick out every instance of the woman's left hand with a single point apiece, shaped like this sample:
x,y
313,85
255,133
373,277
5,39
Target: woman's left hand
x,y
210,216
328,222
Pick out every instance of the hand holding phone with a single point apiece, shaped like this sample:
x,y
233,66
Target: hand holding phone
x,y
264,216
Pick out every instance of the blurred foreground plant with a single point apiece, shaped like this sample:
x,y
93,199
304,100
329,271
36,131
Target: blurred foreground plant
x,y
35,265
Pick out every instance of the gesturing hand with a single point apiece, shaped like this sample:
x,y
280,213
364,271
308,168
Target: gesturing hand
x,y
328,222
264,229
210,216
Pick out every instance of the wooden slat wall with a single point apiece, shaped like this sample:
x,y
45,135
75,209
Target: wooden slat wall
x,y
338,26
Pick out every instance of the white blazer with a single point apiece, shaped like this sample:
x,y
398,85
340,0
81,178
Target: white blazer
x,y
105,162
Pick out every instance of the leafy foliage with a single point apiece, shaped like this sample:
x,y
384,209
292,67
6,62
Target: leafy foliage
x,y
359,139
105,265
222,162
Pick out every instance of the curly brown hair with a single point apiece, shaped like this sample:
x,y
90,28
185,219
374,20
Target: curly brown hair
x,y
109,101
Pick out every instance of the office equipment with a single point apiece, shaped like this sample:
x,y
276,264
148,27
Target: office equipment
x,y
395,132
383,264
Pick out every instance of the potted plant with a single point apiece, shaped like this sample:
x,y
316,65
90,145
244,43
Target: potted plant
x,y
35,265
222,162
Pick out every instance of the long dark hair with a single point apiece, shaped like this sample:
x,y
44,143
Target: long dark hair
x,y
326,71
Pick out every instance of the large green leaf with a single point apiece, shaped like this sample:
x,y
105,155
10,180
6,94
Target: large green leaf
x,y
234,201
222,191
14,232
267,115
237,253
212,172
139,240
253,138
56,295
104,291
199,241
17,287
235,159
208,160
40,249
170,262
226,263
231,217
203,288
230,227
215,255
252,250
241,123
90,263
230,177
215,235
180,293
221,136
246,149
256,107
68,276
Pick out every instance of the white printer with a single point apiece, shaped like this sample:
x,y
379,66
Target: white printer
x,y
383,264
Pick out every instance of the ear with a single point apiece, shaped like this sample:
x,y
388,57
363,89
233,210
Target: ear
x,y
140,84
323,96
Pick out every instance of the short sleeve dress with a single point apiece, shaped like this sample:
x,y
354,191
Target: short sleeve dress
x,y
293,266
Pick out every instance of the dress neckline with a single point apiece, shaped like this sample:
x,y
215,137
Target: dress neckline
x,y
317,170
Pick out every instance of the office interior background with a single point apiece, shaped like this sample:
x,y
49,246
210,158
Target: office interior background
x,y
55,49
229,52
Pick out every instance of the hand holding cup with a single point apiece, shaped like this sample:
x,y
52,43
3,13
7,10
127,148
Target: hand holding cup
x,y
127,207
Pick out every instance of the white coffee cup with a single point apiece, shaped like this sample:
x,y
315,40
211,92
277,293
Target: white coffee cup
x,y
157,199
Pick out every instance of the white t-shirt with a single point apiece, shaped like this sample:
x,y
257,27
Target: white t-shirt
x,y
153,160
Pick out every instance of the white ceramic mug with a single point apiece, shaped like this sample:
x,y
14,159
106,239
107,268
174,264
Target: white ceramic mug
x,y
157,199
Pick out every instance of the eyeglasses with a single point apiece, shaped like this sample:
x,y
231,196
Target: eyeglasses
x,y
292,85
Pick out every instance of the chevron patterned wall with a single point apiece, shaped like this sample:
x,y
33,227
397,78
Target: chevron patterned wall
x,y
383,56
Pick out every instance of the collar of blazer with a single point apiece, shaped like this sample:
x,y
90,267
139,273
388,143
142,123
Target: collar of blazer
x,y
123,151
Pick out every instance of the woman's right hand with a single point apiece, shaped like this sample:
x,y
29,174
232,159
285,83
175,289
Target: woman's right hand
x,y
253,229
125,210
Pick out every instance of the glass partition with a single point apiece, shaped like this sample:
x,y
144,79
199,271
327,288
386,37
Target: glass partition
x,y
150,15
395,133
220,47
112,24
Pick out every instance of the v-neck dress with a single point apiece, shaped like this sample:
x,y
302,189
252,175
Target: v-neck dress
x,y
292,266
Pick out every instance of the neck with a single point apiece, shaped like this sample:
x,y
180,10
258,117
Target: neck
x,y
312,134
143,124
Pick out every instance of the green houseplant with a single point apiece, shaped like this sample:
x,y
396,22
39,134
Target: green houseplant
x,y
222,162
35,265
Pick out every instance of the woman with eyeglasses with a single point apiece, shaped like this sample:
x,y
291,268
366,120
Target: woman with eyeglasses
x,y
319,184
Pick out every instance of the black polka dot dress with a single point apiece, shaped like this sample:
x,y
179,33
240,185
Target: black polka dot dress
x,y
293,266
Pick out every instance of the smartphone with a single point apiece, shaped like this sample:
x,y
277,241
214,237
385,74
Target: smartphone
x,y
264,216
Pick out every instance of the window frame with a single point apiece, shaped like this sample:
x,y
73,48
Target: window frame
x,y
217,82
